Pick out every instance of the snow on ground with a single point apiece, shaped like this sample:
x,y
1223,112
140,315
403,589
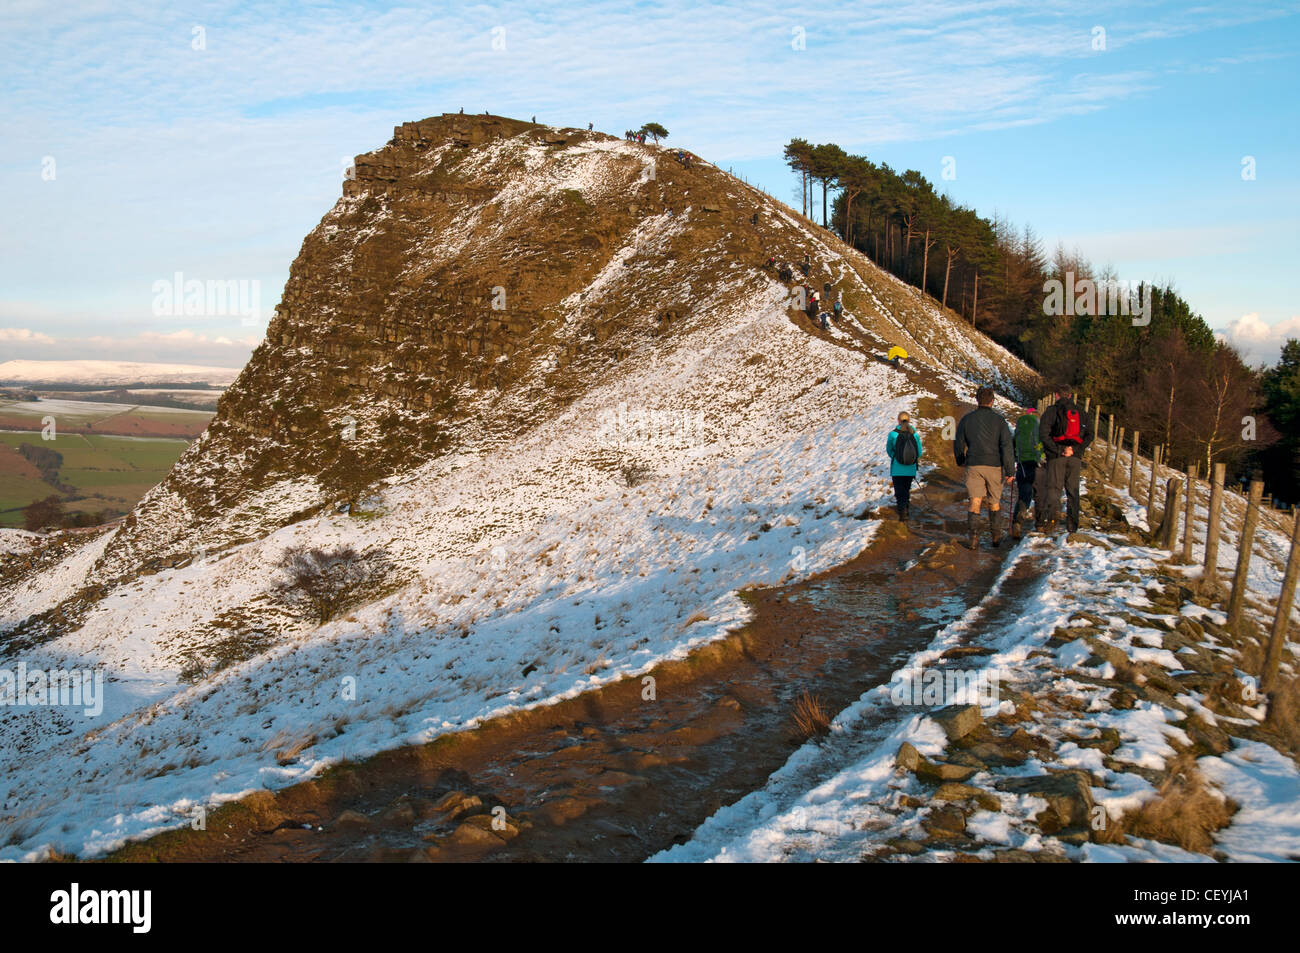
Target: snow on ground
x,y
18,541
534,557
842,798
1272,536
1265,784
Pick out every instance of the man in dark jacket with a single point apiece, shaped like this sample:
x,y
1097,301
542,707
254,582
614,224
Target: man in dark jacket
x,y
983,447
1066,434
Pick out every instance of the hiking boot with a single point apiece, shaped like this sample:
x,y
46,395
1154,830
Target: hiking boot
x,y
995,527
974,535
1017,529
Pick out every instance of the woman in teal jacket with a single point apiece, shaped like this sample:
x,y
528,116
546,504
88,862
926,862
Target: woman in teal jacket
x,y
903,472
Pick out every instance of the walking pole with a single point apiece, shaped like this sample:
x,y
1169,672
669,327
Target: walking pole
x,y
1015,494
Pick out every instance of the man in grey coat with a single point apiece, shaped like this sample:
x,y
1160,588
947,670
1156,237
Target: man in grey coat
x,y
983,446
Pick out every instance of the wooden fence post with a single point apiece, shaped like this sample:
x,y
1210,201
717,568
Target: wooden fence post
x,y
1192,471
1096,422
1114,456
1282,621
1157,454
1169,525
1240,579
1087,404
1110,431
1133,470
1210,576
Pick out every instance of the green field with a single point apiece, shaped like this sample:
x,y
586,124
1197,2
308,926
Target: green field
x,y
111,472
124,419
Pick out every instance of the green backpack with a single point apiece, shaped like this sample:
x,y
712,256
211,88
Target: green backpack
x,y
1028,446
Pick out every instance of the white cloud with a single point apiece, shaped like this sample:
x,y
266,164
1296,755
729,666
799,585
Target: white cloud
x,y
183,346
1259,342
25,336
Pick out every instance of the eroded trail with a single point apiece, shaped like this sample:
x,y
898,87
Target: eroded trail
x,y
612,775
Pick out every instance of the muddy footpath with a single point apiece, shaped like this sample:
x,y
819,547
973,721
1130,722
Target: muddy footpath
x,y
614,775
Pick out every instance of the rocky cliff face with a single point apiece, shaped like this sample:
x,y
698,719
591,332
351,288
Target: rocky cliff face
x,y
467,280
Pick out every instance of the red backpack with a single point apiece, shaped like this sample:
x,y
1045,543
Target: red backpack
x,y
1066,428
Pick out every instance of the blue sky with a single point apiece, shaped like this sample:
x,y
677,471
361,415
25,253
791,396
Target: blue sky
x,y
141,140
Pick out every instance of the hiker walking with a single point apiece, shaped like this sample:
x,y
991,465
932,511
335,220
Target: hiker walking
x,y
904,448
896,356
807,264
837,310
589,126
983,447
1029,473
1066,435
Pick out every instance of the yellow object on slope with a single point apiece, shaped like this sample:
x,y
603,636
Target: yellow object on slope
x,y
896,352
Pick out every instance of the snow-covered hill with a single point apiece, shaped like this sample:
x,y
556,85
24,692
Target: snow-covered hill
x,y
657,429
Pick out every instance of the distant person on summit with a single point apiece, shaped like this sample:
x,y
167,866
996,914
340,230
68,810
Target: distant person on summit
x,y
983,446
1066,434
904,448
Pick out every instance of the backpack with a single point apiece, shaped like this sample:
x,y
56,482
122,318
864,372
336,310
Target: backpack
x,y
905,453
1066,426
1027,437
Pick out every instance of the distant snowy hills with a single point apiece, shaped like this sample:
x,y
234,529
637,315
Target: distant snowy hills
x,y
112,373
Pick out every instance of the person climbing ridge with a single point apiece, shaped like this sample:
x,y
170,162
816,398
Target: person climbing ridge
x,y
837,310
807,264
896,356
